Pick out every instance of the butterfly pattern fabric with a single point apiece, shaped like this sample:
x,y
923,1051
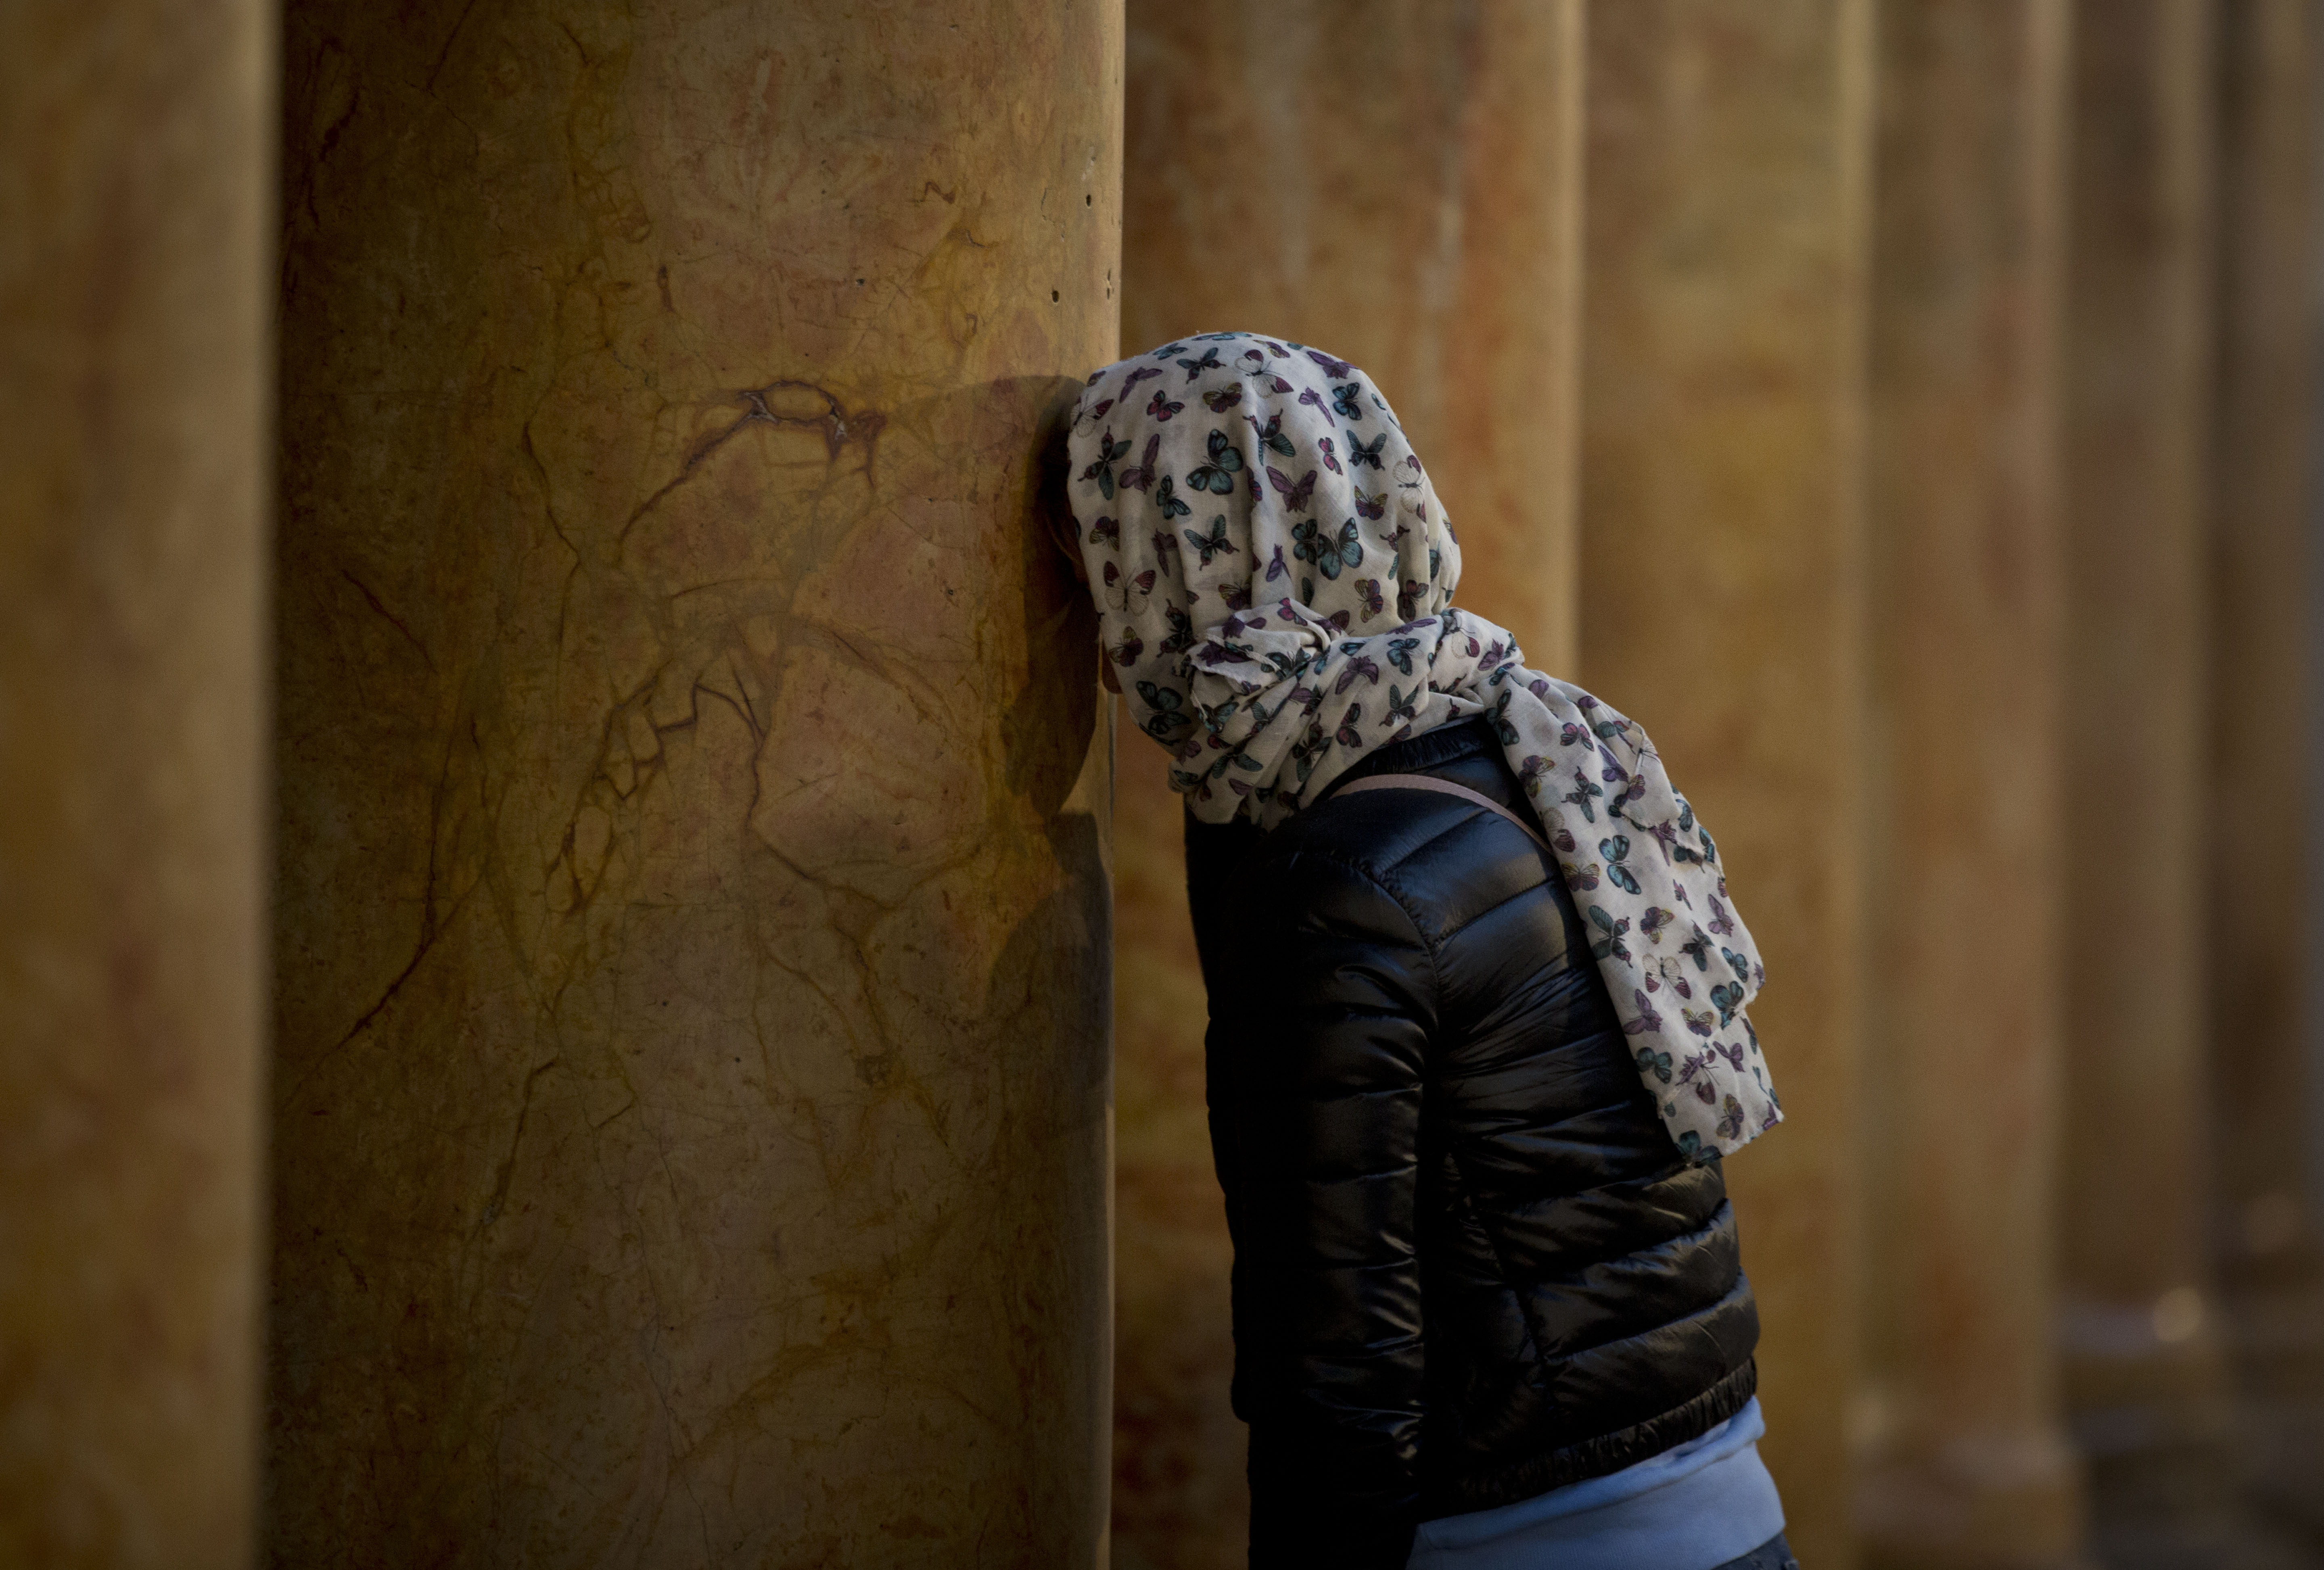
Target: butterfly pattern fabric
x,y
1257,642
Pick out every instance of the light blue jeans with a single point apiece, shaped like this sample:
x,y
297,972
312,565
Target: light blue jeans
x,y
1774,1554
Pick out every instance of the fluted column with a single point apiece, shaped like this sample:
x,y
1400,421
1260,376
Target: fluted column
x,y
1965,1462
1398,182
132,481
1722,583
691,1108
2261,1014
2145,1377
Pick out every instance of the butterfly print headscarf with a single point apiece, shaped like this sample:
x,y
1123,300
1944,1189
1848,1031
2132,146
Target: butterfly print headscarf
x,y
1276,578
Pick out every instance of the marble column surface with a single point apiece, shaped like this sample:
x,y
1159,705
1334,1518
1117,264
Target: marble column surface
x,y
693,916
2145,1381
133,482
1398,182
2260,1010
1966,1465
1722,585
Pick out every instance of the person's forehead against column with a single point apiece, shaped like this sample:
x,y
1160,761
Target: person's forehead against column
x,y
1233,469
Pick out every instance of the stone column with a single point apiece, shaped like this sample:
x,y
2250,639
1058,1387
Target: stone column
x,y
1965,1462
132,478
691,1113
1431,234
1722,583
2259,787
2142,1365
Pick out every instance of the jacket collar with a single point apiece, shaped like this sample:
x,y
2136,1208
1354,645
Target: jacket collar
x,y
1438,748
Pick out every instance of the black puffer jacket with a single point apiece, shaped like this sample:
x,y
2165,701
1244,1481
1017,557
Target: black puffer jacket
x,y
1469,1264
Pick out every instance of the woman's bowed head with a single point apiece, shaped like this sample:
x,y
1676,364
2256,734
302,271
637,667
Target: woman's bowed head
x,y
1274,577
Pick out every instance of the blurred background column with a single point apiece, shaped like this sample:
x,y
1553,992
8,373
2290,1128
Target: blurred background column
x,y
1729,151
2146,1379
1398,182
1428,233
2258,794
134,181
1965,1459
691,1106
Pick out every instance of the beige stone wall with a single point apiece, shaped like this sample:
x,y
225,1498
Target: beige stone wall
x,y
1722,583
691,1102
1966,1461
1270,186
133,479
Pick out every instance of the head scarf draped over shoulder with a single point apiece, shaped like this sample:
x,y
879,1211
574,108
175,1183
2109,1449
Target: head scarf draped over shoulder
x,y
1276,577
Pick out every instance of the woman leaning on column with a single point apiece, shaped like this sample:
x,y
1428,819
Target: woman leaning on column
x,y
1478,1038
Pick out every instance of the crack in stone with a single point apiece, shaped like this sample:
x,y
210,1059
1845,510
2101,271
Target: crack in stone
x,y
838,427
431,930
508,1163
444,54
431,924
389,616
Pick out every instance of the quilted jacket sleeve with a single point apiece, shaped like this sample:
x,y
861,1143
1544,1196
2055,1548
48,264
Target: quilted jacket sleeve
x,y
1323,1002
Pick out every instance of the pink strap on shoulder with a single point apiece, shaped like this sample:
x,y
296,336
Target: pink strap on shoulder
x,y
1443,788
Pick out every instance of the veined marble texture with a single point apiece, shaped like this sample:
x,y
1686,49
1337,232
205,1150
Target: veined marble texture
x,y
693,916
